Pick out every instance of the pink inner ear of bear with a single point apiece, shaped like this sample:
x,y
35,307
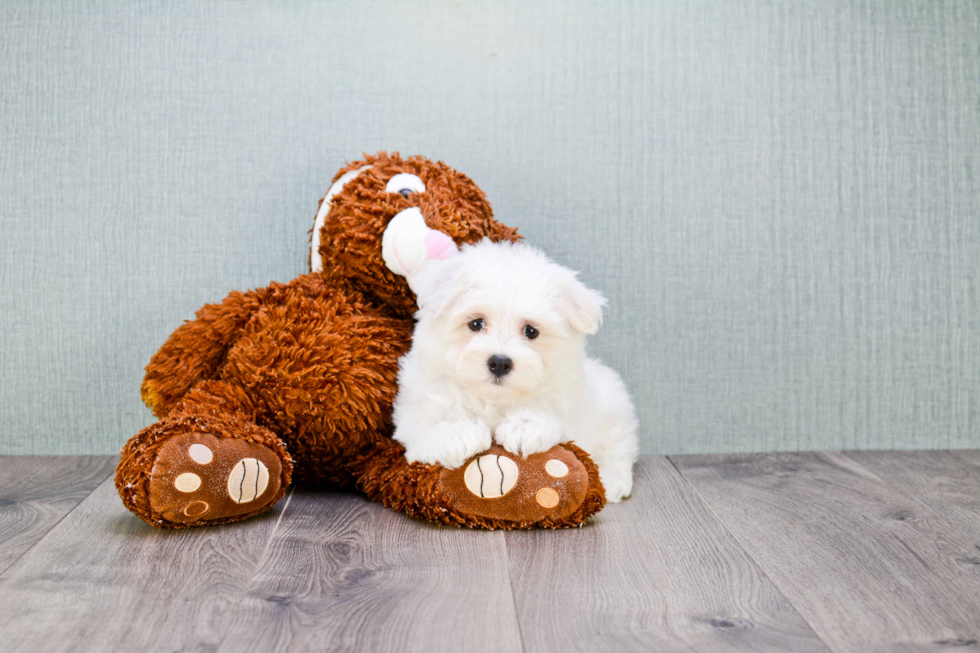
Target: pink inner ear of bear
x,y
439,246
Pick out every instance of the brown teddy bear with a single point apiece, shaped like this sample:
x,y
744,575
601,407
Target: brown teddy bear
x,y
296,382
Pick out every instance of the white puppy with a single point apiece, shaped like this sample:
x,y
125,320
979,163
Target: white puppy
x,y
499,353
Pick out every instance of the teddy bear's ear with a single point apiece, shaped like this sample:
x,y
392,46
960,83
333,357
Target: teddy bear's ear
x,y
582,306
316,262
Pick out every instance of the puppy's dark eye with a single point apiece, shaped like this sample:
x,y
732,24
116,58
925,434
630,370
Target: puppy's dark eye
x,y
404,192
530,332
476,325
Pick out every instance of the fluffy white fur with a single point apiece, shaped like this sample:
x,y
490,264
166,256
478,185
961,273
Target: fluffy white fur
x,y
450,405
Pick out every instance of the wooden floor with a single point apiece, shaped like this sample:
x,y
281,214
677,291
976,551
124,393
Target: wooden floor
x,y
796,552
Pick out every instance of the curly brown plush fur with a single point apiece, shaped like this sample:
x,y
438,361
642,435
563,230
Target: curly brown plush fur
x,y
308,369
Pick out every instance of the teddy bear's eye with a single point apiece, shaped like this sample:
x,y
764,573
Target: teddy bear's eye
x,y
476,325
405,183
530,332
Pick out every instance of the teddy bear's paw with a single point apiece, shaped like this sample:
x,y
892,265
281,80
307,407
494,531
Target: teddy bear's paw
x,y
506,490
200,478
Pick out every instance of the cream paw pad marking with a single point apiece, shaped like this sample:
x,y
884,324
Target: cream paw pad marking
x,y
491,476
500,485
248,480
199,477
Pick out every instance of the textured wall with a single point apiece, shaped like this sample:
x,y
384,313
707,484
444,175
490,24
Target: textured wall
x,y
781,200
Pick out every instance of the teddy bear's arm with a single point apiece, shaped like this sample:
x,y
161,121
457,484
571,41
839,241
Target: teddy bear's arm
x,y
197,348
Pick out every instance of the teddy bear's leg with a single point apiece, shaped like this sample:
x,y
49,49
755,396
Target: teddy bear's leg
x,y
205,463
559,488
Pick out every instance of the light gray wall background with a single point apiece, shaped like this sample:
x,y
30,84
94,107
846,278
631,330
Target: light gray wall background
x,y
780,200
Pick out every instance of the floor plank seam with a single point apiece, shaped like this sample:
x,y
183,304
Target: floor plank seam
x,y
513,596
3,572
258,566
755,562
914,497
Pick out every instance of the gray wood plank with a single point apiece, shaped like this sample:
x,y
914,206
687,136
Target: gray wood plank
x,y
657,572
948,482
346,574
866,565
36,492
102,580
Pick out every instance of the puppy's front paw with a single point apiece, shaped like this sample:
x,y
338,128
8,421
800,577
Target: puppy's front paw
x,y
451,444
527,432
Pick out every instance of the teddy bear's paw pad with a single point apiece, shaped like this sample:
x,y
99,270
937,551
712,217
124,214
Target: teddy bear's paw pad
x,y
490,476
198,477
502,486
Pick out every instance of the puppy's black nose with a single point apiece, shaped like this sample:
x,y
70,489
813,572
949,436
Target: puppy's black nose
x,y
499,365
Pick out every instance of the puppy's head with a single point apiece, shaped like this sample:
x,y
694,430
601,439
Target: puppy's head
x,y
502,319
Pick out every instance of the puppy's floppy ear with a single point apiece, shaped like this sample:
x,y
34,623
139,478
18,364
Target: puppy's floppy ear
x,y
582,305
434,285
